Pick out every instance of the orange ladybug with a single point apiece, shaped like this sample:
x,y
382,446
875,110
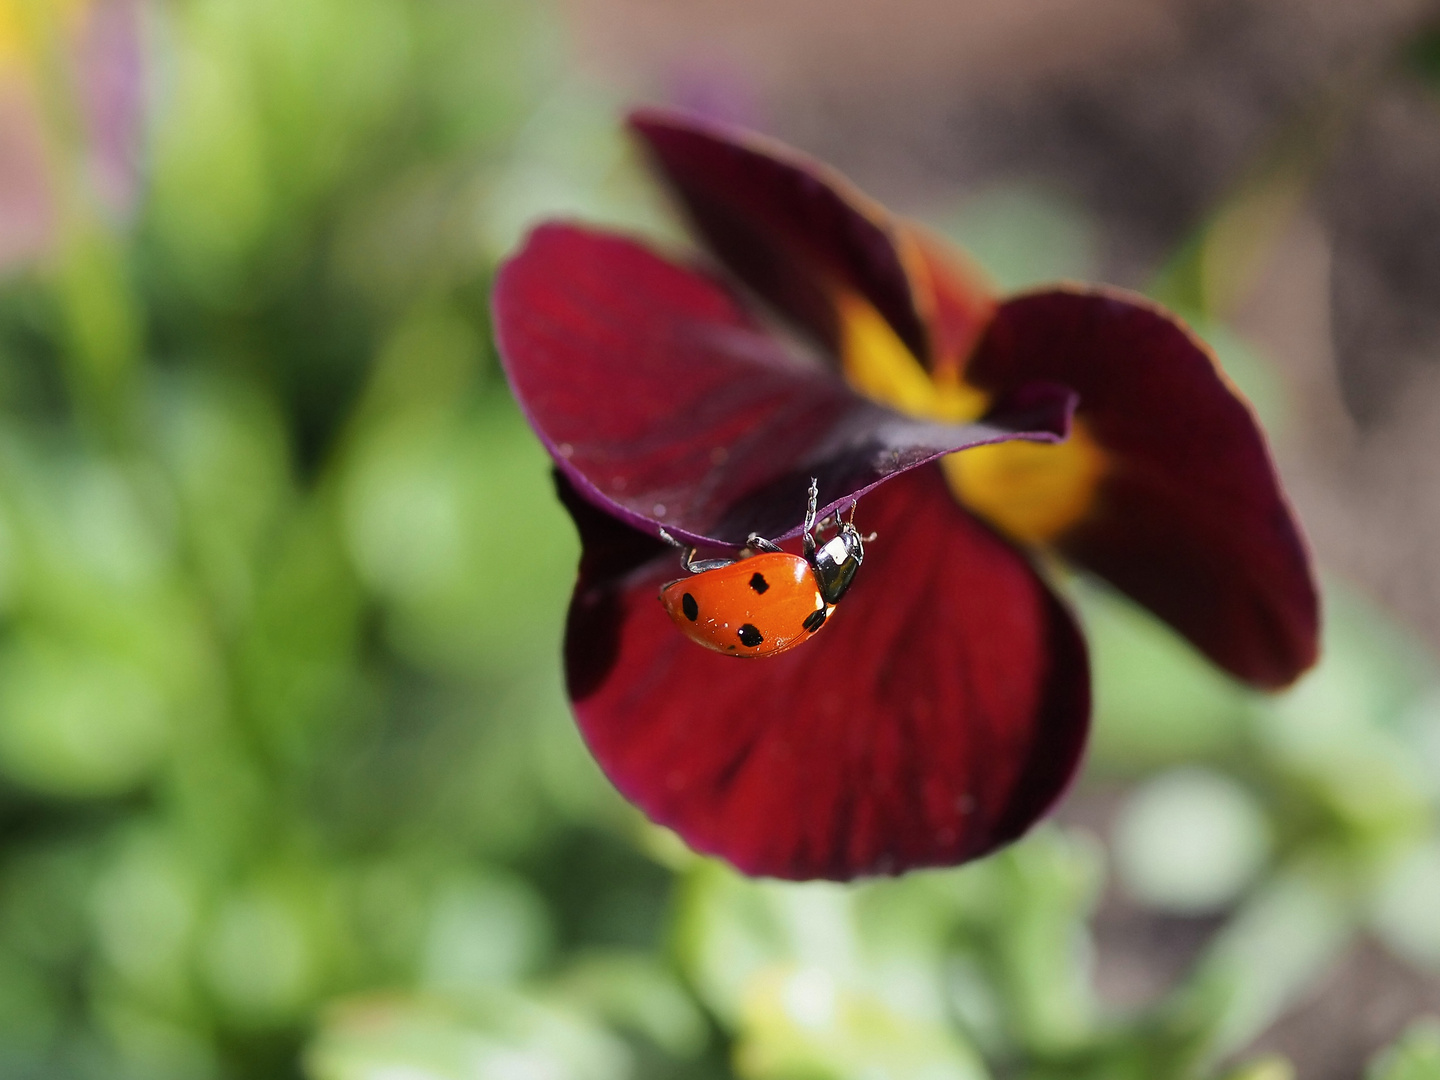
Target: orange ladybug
x,y
767,602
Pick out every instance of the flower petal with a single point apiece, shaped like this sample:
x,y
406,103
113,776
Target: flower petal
x,y
1167,489
805,239
942,710
666,403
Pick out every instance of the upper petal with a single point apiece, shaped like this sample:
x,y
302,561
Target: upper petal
x,y
940,712
806,239
1167,489
665,402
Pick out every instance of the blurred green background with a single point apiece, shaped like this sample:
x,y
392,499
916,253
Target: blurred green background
x,y
288,784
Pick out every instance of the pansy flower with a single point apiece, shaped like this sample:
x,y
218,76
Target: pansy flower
x,y
945,706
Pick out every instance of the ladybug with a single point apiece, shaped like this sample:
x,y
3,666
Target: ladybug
x,y
767,602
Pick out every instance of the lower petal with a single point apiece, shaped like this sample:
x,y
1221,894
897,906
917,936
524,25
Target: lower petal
x,y
940,712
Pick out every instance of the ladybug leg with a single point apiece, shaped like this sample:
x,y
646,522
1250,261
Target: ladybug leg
x,y
756,542
812,502
699,566
809,526
688,560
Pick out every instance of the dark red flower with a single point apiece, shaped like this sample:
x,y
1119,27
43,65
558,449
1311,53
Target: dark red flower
x,y
945,706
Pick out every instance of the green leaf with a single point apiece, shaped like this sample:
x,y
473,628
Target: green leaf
x,y
1269,957
1416,1056
1423,55
497,1033
634,992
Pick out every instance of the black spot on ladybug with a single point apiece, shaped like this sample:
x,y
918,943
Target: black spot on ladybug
x,y
815,620
758,582
750,636
690,607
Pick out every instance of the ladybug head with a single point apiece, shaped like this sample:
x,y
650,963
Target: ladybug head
x,y
837,560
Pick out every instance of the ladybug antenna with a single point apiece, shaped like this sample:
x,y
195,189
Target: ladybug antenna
x,y
863,539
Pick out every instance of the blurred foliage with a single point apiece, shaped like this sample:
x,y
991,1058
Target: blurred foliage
x,y
1415,1057
287,781
1423,54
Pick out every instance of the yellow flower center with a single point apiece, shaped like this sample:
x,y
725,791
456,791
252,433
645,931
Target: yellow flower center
x,y
1030,491
879,365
